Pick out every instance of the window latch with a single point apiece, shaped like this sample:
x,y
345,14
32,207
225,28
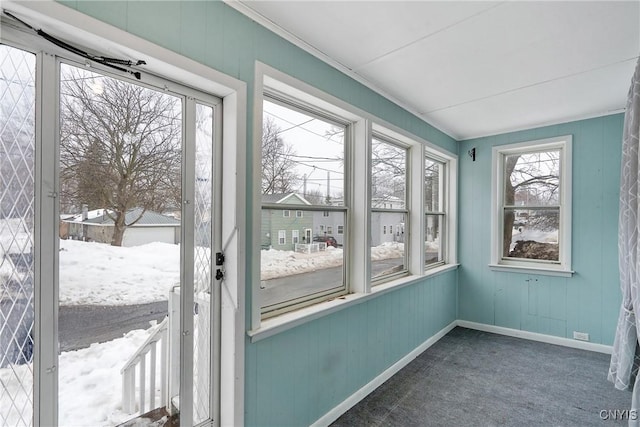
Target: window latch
x,y
219,274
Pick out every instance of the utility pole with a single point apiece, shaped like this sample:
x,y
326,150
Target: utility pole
x,y
304,186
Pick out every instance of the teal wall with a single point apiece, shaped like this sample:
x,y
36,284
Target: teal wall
x,y
297,376
588,301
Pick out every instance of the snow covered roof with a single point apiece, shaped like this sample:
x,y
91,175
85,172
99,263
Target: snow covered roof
x,y
99,217
287,198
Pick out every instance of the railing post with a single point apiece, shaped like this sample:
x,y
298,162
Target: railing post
x,y
174,349
143,363
152,376
164,375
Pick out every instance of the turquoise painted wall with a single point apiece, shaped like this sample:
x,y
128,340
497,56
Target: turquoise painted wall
x,y
587,302
298,376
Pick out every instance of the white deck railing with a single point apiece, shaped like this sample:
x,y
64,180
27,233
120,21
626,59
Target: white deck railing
x,y
147,374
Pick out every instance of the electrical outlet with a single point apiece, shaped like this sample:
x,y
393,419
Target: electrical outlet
x,y
582,336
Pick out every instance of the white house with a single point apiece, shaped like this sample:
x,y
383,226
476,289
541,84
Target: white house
x,y
96,225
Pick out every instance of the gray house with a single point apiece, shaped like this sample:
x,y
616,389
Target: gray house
x,y
283,228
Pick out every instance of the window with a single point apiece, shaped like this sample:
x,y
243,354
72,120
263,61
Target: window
x,y
342,167
388,190
303,164
286,213
434,207
532,210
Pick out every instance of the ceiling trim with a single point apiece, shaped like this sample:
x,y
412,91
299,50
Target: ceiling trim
x,y
252,14
547,123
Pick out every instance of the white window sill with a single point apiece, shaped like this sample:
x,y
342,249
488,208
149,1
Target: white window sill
x,y
283,322
531,270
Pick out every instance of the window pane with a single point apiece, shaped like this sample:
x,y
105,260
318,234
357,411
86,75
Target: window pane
x,y
432,242
533,179
301,154
534,234
296,271
432,191
119,262
17,146
202,263
388,254
388,175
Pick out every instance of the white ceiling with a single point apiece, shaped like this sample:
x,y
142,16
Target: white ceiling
x,y
473,68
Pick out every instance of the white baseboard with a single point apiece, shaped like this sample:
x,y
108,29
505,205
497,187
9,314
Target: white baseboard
x,y
356,397
533,336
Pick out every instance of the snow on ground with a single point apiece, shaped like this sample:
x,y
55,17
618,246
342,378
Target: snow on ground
x,y
101,274
275,263
90,385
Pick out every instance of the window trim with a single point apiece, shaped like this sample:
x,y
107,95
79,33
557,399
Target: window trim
x,y
498,262
356,233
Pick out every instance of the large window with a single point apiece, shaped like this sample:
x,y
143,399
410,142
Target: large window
x,y
303,168
532,216
388,209
371,206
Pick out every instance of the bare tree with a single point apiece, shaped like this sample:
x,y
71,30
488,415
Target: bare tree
x,y
389,172
278,166
119,147
537,176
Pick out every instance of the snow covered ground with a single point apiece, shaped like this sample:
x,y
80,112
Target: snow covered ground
x,y
89,383
100,274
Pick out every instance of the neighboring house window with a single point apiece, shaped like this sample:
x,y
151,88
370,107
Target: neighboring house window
x,y
388,190
531,220
286,213
302,143
329,229
341,229
282,237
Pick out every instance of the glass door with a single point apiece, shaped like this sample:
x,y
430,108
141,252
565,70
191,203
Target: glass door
x,y
137,225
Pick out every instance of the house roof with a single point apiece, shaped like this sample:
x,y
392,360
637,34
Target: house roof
x,y
286,198
149,218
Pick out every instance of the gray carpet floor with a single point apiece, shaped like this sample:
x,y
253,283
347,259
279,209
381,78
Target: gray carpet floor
x,y
473,378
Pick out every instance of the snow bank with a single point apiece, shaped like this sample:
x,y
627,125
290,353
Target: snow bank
x,y
90,385
101,274
275,263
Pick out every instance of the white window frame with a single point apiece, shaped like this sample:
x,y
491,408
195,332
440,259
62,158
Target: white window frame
x,y
286,213
299,214
295,236
444,206
282,237
500,263
341,229
356,237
